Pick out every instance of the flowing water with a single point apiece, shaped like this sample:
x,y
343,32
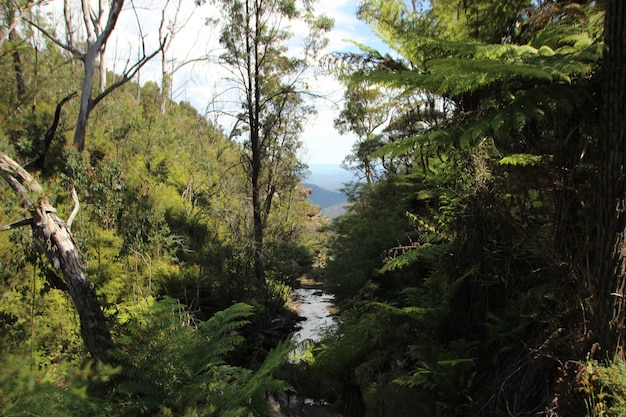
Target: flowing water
x,y
315,307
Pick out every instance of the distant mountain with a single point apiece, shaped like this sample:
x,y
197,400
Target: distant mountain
x,y
329,177
325,181
334,211
325,198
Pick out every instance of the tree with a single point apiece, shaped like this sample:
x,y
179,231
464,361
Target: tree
x,y
367,108
170,26
270,84
55,240
98,30
12,13
610,275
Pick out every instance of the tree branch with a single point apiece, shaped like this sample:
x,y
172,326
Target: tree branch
x,y
55,240
77,54
21,223
128,75
74,212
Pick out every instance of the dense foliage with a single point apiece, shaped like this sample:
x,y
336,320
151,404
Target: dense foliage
x,y
478,271
468,275
164,215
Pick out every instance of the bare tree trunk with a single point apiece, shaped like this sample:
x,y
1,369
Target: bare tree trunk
x,y
103,69
97,35
166,86
86,103
69,24
17,66
54,239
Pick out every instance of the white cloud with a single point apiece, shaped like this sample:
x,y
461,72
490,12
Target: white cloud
x,y
199,82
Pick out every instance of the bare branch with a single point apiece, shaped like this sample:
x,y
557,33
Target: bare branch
x,y
128,75
21,223
74,212
77,54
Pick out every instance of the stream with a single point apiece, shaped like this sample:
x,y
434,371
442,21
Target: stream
x,y
315,308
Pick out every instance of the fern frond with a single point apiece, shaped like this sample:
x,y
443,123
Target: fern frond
x,y
228,320
523,159
424,253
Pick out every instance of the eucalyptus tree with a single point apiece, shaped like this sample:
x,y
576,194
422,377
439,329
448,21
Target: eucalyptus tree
x,y
98,24
270,81
366,109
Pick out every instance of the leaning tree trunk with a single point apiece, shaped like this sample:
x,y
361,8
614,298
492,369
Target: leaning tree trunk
x,y
610,274
54,239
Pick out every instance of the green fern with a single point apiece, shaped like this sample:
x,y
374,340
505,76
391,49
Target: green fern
x,y
426,253
174,368
523,159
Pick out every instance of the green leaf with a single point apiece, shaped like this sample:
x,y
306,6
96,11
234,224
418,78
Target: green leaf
x,y
522,159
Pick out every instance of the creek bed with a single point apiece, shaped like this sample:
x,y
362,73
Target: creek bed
x,y
316,309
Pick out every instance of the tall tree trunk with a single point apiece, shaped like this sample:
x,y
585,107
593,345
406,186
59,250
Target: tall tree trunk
x,y
86,103
610,274
17,66
102,66
166,81
254,113
69,25
55,240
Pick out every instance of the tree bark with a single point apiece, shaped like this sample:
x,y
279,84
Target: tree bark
x,y
51,132
17,66
97,36
55,240
610,274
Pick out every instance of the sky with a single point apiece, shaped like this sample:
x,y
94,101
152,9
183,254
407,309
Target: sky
x,y
202,84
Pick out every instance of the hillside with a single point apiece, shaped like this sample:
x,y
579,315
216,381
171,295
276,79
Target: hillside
x,y
325,198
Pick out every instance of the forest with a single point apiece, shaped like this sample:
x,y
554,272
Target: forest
x,y
148,253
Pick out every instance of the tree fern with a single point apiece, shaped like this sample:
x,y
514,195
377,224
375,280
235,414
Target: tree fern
x,y
219,333
173,367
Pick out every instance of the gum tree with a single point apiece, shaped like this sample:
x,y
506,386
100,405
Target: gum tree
x,y
270,83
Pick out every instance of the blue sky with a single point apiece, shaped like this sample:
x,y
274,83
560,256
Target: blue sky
x,y
323,144
202,84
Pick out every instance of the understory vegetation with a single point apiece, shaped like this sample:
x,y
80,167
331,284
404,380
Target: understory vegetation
x,y
478,271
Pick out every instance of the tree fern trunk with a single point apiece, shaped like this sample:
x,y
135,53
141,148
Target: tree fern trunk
x,y
610,274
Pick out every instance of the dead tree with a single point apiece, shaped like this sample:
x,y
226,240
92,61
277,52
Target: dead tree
x,y
54,239
98,30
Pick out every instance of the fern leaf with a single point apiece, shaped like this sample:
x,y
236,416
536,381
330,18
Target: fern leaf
x,y
424,253
522,159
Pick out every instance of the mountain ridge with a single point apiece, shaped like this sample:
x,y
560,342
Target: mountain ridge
x,y
325,198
